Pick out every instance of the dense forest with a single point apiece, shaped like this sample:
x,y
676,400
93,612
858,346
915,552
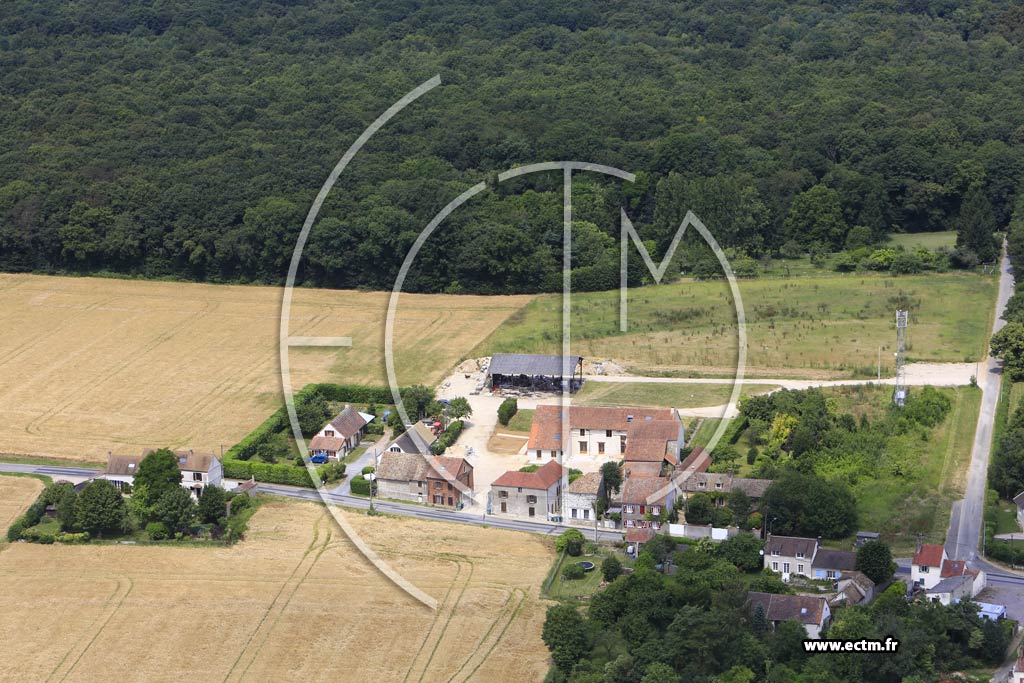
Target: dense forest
x,y
188,139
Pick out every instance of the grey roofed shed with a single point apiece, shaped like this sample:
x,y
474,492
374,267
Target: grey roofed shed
x,y
534,370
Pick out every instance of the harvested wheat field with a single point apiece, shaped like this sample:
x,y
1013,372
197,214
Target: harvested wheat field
x,y
293,602
92,365
16,494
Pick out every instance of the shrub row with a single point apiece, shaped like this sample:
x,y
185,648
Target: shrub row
x,y
447,438
271,473
360,486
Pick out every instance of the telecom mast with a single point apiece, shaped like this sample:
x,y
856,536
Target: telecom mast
x,y
899,396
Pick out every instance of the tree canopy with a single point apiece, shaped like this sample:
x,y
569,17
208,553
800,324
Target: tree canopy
x,y
197,149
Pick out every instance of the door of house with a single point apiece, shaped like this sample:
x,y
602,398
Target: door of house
x,y
450,503
504,507
531,512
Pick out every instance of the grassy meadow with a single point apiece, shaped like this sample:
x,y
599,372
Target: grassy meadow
x,y
662,394
822,326
927,240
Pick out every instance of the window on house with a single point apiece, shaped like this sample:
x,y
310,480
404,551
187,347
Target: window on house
x,y
583,432
573,513
785,567
629,509
519,489
531,499
608,433
924,569
701,484
419,484
197,476
799,554
830,574
538,453
328,432
775,552
583,446
718,485
775,566
799,569
437,485
655,510
600,446
502,494
586,513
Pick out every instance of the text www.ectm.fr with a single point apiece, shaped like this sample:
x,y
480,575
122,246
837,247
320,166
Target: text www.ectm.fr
x,y
890,645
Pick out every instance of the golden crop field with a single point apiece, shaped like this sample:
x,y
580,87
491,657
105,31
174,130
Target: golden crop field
x,y
92,365
295,601
16,494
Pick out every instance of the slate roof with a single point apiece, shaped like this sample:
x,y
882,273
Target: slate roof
x,y
644,490
415,439
540,479
530,364
348,422
951,584
843,560
589,484
929,555
805,609
546,429
791,546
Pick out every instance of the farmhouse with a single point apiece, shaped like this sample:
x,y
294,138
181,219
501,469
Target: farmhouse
x,y
603,433
535,372
645,500
956,583
433,480
197,470
417,438
926,566
830,564
810,611
789,555
528,494
581,498
339,436
710,482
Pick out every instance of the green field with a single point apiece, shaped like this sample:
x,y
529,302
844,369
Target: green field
x,y
662,394
520,422
810,326
928,240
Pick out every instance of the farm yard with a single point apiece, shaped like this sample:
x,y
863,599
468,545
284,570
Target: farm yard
x,y
283,604
90,365
803,327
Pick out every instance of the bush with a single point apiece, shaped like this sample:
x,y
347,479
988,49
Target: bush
x,y
447,438
276,473
361,486
72,538
571,541
572,571
156,531
239,503
507,410
332,471
36,535
611,568
14,531
369,469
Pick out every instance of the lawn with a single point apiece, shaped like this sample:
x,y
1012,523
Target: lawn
x,y
520,422
662,394
928,240
832,325
572,590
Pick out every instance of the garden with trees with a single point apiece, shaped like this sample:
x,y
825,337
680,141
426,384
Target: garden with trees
x,y
159,508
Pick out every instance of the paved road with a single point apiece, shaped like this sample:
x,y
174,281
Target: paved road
x,y
965,521
406,510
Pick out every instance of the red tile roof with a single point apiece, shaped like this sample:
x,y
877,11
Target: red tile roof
x,y
653,440
645,490
929,555
635,535
546,430
541,479
953,568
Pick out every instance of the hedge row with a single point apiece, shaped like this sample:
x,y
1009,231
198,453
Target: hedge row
x,y
447,438
32,516
237,463
732,433
361,487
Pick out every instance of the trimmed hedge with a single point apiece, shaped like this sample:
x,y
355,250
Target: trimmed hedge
x,y
507,410
237,460
361,487
447,437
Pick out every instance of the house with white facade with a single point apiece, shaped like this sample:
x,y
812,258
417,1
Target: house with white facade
x,y
956,582
198,470
337,438
811,612
593,432
926,567
581,498
790,555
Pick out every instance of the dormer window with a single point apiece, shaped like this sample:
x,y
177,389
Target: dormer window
x,y
328,432
800,555
775,552
701,484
